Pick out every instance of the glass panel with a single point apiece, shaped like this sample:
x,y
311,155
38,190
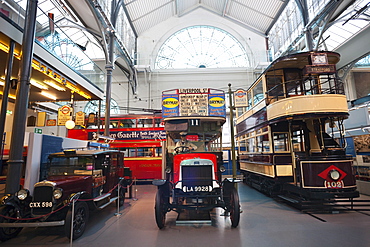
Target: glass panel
x,y
201,47
281,142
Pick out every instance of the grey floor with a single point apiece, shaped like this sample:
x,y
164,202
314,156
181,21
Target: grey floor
x,y
264,222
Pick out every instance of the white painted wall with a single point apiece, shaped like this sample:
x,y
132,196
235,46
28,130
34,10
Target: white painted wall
x,y
153,82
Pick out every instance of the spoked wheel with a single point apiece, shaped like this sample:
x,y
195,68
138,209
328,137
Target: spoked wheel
x,y
81,217
234,208
160,208
7,233
122,195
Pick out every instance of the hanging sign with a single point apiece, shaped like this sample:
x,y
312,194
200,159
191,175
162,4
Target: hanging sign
x,y
64,114
80,118
240,98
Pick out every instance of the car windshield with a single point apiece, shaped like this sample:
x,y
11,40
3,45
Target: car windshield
x,y
71,165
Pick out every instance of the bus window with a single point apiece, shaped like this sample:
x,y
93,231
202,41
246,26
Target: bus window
x,y
158,122
114,124
128,123
145,123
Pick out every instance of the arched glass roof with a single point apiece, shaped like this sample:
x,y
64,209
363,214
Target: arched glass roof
x,y
201,47
93,107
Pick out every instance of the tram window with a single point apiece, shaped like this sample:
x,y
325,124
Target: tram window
x,y
274,87
298,141
249,98
251,142
257,93
263,144
281,142
242,145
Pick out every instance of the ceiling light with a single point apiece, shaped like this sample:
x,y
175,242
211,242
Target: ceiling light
x,y
54,85
48,95
38,84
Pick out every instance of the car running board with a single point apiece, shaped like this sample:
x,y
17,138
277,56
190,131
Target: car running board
x,y
99,198
110,201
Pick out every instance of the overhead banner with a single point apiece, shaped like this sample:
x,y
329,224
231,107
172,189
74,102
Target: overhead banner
x,y
240,98
170,105
216,105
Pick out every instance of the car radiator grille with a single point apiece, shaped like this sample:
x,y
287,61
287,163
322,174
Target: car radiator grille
x,y
42,194
195,175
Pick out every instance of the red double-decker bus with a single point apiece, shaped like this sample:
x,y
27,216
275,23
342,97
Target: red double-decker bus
x,y
139,136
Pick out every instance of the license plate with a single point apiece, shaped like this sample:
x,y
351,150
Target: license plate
x,y
202,188
41,204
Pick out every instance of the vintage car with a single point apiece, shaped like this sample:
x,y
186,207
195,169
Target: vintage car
x,y
85,180
194,174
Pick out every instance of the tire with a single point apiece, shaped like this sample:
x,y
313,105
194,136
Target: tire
x,y
160,208
81,216
234,208
7,233
122,195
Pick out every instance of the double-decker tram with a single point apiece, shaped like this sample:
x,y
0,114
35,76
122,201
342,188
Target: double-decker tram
x,y
193,186
139,136
285,130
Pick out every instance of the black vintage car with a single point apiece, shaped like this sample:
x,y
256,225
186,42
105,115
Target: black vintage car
x,y
85,180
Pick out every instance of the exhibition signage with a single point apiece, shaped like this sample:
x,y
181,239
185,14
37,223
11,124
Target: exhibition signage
x,y
240,98
64,114
132,135
194,102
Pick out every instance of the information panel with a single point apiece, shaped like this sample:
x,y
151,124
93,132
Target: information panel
x,y
193,102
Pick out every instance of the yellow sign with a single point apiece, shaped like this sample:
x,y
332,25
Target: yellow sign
x,y
170,103
80,118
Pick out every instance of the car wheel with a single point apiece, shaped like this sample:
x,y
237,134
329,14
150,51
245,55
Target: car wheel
x,y
160,208
122,195
234,208
7,233
81,216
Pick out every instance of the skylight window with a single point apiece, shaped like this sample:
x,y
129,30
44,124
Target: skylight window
x,y
201,47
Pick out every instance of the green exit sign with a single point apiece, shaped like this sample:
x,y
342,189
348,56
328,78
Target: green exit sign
x,y
38,131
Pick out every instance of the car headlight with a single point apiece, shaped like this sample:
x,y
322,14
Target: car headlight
x,y
22,194
222,169
168,169
57,193
334,174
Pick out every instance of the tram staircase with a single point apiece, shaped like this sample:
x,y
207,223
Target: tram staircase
x,y
327,206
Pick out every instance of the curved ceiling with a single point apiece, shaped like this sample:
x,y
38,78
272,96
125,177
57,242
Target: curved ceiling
x,y
257,16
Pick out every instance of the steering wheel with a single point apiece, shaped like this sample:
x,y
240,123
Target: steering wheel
x,y
182,149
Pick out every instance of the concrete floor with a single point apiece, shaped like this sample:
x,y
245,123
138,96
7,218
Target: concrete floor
x,y
264,222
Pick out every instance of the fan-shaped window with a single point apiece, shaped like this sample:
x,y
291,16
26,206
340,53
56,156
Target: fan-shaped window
x,y
93,107
201,47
